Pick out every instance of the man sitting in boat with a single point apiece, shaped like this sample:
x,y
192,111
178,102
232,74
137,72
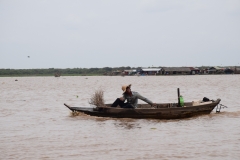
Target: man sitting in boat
x,y
131,97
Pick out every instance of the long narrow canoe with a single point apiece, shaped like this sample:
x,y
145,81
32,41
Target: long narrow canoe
x,y
161,111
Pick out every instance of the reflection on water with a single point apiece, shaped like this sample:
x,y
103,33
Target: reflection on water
x,y
126,124
35,124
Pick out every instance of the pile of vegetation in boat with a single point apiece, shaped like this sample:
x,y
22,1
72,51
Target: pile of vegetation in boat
x,y
97,99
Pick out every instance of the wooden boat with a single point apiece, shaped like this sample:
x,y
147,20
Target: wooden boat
x,y
161,111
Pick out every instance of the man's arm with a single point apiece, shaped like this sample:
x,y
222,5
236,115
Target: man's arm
x,y
144,99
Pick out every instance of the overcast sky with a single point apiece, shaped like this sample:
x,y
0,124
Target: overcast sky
x,y
111,33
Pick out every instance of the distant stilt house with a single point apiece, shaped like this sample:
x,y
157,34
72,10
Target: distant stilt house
x,y
229,71
204,71
151,71
130,72
194,70
148,71
139,70
236,70
176,71
216,70
133,72
116,73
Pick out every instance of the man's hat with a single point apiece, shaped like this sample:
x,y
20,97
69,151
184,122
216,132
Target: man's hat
x,y
124,88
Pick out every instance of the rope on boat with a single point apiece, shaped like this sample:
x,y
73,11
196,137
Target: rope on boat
x,y
219,107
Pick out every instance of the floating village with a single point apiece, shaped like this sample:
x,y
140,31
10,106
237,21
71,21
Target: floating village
x,y
175,71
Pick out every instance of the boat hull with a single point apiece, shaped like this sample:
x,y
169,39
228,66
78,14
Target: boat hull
x,y
154,113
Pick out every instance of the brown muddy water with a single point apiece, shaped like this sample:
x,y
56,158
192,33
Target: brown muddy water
x,y
34,123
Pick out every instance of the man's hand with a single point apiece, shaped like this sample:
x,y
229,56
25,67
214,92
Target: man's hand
x,y
121,98
154,104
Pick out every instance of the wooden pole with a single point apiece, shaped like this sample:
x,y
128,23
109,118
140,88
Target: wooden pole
x,y
178,90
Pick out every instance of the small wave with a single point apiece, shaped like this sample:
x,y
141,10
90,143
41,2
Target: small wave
x,y
74,114
231,114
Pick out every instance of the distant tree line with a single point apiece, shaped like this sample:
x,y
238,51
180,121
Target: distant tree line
x,y
69,71
53,71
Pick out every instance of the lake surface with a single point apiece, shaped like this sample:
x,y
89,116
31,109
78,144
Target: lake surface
x,y
34,123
